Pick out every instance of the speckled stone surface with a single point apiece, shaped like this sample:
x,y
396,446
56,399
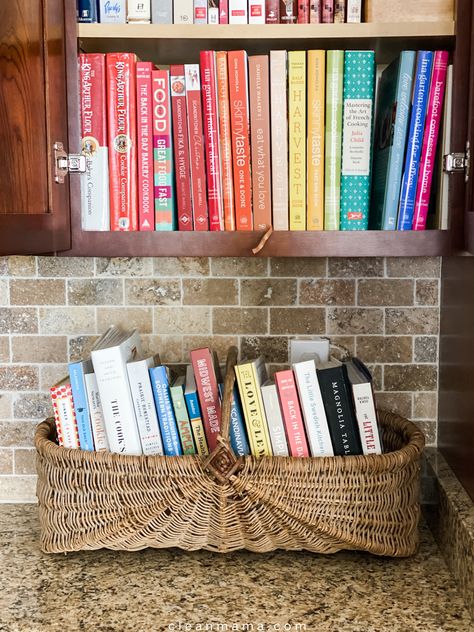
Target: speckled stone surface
x,y
450,513
151,590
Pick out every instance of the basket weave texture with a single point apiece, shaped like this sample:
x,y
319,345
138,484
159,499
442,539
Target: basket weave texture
x,y
92,500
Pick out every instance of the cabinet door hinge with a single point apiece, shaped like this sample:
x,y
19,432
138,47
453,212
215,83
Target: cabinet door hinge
x,y
67,163
458,162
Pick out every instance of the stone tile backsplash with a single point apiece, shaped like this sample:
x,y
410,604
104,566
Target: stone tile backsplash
x,y
52,310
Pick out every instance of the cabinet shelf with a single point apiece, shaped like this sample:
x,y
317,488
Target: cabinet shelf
x,y
280,244
267,31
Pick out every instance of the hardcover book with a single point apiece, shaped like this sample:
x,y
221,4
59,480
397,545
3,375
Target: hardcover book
x,y
97,415
64,414
139,11
366,413
213,12
316,109
288,11
181,148
146,210
390,134
276,428
297,138
238,12
339,11
122,140
441,210
272,12
162,11
161,392
206,383
291,412
312,408
182,417
110,367
358,105
327,11
238,435
430,139
256,11
260,141
223,11
240,123
194,412
315,11
200,11
112,12
225,139
163,168
86,11
335,389
333,144
250,376
196,147
183,11
144,405
354,10
211,139
279,138
424,66
303,11
77,371
95,209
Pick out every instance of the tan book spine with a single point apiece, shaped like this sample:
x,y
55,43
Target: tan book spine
x,y
297,138
279,134
260,141
316,102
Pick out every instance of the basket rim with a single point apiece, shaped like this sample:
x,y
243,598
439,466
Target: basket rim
x,y
406,454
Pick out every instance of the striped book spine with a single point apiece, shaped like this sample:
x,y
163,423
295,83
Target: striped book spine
x,y
334,93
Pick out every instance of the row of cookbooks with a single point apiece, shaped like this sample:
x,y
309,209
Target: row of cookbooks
x,y
219,11
291,140
119,401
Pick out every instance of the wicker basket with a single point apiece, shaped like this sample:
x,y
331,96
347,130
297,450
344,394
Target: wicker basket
x,y
222,503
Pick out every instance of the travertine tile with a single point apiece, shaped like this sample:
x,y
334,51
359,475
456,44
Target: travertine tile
x,y
358,320
429,267
355,267
124,266
219,344
327,292
140,318
240,320
395,402
32,406
376,370
18,320
65,267
411,320
25,461
6,461
385,292
79,347
274,368
18,378
169,348
428,428
19,266
426,349
297,320
37,292
51,374
237,267
18,489
425,405
182,320
17,433
39,348
385,348
342,347
210,292
273,348
269,291
4,293
95,291
427,292
5,407
181,266
67,320
152,291
4,349
298,267
410,377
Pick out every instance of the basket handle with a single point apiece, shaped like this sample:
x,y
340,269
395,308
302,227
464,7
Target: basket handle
x,y
227,394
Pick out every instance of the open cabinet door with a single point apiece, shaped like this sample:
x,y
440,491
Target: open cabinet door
x,y
34,208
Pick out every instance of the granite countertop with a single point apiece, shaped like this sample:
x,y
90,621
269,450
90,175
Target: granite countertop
x,y
150,590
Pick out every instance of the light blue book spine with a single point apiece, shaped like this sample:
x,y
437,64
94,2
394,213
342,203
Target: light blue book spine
x,y
358,107
415,139
164,408
238,435
394,174
81,405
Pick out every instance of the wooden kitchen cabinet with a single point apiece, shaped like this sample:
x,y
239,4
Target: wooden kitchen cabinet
x,y
39,108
